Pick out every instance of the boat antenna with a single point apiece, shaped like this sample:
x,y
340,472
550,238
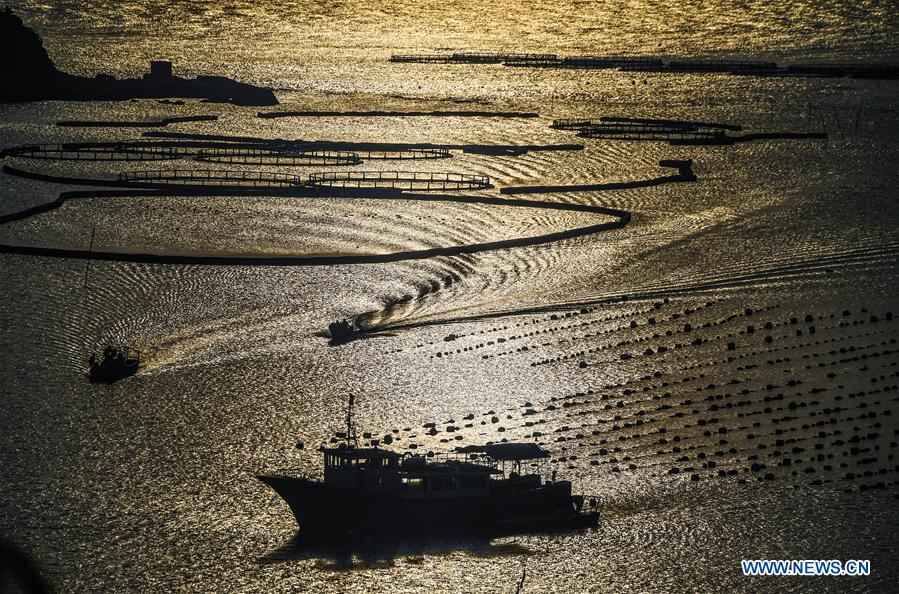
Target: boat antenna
x,y
351,440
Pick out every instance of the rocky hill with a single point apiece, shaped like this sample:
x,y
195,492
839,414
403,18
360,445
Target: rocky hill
x,y
28,74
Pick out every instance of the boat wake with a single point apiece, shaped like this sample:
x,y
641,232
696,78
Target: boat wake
x,y
816,267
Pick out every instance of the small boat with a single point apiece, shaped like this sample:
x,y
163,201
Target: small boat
x,y
371,493
115,364
342,331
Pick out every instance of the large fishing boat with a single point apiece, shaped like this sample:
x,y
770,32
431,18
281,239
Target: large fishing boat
x,y
371,492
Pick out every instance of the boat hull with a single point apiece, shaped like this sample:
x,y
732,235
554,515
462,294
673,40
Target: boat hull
x,y
327,513
108,375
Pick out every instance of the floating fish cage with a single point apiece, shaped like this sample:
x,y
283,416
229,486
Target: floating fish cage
x,y
572,123
533,63
532,60
518,57
624,128
96,152
509,59
211,178
478,57
632,62
671,123
595,126
422,181
277,156
625,133
719,65
409,154
421,58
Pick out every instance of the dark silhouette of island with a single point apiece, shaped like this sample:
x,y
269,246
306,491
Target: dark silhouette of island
x,y
28,74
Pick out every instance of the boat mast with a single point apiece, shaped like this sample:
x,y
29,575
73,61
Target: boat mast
x,y
351,439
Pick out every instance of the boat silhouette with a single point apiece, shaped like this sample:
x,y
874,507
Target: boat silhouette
x,y
114,365
343,331
371,493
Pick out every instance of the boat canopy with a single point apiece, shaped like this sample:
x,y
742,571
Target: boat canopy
x,y
509,451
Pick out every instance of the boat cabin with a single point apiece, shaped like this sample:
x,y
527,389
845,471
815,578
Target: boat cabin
x,y
469,472
375,470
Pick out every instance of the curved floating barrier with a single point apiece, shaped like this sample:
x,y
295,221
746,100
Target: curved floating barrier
x,y
277,156
209,177
620,218
420,181
684,174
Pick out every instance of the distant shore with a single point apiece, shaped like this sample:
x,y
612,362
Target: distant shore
x,y
28,74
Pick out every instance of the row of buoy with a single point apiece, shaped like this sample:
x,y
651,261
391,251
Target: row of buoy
x,y
807,318
534,333
757,418
750,436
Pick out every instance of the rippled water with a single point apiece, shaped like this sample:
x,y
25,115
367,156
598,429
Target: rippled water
x,y
149,485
